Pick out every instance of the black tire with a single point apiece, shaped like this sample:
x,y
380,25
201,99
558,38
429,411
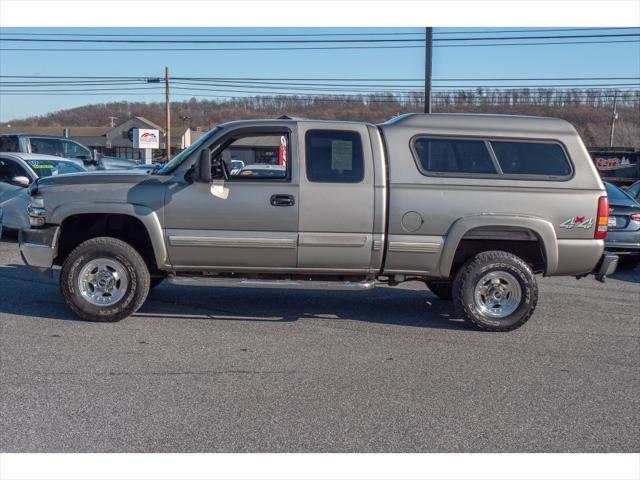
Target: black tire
x,y
628,262
442,290
474,270
109,248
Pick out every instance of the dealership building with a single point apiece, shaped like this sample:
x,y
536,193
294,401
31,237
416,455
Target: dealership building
x,y
116,141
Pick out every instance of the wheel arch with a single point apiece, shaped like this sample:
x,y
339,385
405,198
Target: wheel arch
x,y
500,228
95,220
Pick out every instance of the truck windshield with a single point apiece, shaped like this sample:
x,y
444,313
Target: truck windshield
x,y
179,158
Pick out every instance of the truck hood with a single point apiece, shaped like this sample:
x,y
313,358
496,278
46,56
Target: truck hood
x,y
102,176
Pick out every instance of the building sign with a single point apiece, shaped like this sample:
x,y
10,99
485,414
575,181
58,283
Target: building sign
x,y
146,138
613,163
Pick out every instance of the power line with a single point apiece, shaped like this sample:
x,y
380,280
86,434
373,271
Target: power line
x,y
332,41
283,35
352,47
327,88
319,79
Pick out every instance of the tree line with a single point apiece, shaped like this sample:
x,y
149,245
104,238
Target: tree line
x,y
590,111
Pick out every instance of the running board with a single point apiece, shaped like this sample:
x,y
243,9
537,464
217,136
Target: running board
x,y
265,283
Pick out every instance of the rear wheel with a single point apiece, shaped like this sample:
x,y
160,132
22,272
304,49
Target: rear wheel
x,y
442,290
104,280
495,291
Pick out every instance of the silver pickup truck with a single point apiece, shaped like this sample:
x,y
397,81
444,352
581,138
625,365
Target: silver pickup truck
x,y
473,205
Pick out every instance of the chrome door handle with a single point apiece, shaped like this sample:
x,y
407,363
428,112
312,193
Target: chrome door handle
x,y
281,200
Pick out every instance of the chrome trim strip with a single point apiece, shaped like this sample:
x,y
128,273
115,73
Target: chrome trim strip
x,y
414,247
377,245
232,242
329,240
35,245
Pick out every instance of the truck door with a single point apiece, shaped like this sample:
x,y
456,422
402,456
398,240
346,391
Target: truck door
x,y
250,222
335,229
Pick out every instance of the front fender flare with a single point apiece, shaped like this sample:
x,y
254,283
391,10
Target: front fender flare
x,y
543,229
146,215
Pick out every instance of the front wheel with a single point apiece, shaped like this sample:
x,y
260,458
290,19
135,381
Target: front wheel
x,y
495,291
104,280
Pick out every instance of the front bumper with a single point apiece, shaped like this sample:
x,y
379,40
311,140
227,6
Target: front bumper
x,y
39,247
606,266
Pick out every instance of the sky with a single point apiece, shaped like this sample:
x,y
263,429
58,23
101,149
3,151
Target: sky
x,y
575,60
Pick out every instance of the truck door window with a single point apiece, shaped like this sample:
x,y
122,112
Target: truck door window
x,y
258,156
47,146
448,155
334,156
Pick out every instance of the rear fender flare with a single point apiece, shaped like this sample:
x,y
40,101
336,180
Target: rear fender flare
x,y
542,229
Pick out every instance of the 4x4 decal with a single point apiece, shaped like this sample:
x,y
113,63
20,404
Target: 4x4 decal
x,y
577,222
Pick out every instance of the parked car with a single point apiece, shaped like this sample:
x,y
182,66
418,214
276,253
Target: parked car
x,y
62,147
17,172
475,204
624,227
236,165
634,191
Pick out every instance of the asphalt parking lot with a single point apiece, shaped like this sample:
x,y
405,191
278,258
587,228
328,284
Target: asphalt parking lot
x,y
223,370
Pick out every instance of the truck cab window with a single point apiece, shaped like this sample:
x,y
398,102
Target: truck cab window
x,y
255,157
334,156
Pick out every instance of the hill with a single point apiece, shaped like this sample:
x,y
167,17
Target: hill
x,y
590,115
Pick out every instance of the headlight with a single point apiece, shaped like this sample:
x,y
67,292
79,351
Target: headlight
x,y
36,212
37,202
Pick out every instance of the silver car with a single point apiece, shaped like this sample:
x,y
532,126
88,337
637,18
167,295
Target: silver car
x,y
17,172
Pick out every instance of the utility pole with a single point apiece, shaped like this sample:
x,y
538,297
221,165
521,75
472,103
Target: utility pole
x,y
614,117
167,132
428,53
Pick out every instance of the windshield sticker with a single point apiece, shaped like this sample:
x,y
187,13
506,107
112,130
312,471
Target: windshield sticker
x,y
42,166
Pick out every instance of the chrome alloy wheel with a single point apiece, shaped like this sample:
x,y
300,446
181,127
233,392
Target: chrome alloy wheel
x,y
103,282
497,294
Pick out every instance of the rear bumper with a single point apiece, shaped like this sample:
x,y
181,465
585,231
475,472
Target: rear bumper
x,y
39,247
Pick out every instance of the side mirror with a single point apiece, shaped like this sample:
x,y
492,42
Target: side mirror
x,y
204,167
20,181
